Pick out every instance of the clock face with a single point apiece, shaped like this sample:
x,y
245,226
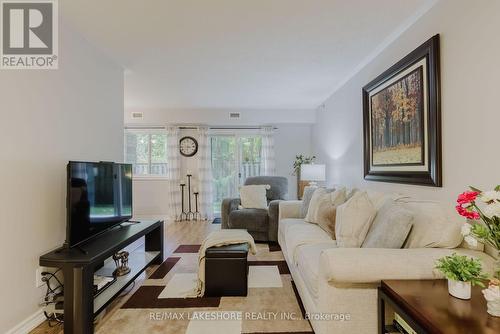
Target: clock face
x,y
188,146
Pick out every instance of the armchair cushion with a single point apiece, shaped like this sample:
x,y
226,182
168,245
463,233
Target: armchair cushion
x,y
254,196
254,220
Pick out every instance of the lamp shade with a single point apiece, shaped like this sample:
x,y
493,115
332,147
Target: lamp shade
x,y
312,172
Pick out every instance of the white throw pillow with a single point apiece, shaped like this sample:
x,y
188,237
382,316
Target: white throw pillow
x,y
327,211
353,220
434,225
254,196
314,204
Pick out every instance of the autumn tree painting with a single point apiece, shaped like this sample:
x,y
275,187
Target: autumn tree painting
x,y
397,131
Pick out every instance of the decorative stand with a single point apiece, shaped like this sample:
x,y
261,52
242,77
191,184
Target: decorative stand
x,y
197,215
190,214
183,216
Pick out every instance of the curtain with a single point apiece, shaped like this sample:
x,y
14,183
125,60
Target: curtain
x,y
174,172
205,177
267,163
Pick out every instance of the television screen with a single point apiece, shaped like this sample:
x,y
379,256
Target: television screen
x,y
99,197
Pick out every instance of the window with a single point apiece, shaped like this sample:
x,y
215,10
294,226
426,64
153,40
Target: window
x,y
146,150
235,157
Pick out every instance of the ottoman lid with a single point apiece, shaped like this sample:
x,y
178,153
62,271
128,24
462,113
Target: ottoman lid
x,y
233,251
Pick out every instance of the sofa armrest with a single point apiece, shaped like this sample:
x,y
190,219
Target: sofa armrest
x,y
371,265
228,205
289,209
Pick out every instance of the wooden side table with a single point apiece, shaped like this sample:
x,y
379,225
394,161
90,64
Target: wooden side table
x,y
426,307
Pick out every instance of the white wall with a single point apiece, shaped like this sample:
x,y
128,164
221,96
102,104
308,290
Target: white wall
x,y
470,114
48,118
151,197
220,116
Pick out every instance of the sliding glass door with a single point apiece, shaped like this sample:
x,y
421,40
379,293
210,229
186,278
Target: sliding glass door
x,y
234,158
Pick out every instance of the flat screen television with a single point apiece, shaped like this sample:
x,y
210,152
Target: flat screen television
x,y
99,197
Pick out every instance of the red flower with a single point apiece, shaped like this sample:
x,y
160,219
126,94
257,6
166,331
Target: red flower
x,y
467,197
467,213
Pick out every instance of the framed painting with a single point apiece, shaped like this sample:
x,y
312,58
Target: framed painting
x,y
402,120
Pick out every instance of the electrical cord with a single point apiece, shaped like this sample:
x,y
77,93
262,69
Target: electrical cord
x,y
130,288
51,296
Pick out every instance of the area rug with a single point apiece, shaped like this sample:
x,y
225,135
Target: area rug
x,y
272,304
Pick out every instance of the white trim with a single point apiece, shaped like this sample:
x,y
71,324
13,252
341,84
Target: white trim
x,y
28,324
382,46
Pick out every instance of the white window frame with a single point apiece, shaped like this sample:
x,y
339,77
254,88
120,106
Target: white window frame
x,y
148,131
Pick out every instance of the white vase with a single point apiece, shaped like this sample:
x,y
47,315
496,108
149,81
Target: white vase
x,y
459,289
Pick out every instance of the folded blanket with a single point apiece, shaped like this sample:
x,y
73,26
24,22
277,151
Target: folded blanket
x,y
217,239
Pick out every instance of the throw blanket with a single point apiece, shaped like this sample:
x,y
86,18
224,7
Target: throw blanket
x,y
217,239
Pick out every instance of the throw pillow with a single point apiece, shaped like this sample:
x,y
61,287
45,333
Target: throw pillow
x,y
306,199
390,228
353,220
254,196
314,204
327,210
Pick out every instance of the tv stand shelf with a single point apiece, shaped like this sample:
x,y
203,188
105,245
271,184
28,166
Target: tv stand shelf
x,y
79,265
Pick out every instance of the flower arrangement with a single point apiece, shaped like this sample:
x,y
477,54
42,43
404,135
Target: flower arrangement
x,y
461,268
481,205
301,160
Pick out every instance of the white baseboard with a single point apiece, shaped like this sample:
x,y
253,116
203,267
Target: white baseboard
x,y
28,324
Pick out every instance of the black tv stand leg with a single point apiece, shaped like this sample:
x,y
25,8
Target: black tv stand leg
x,y
78,300
154,242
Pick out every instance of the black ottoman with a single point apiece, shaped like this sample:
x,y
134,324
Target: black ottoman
x,y
226,271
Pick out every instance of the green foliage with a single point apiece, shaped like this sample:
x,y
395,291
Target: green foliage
x,y
461,268
301,160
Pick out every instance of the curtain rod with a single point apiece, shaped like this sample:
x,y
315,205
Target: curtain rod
x,y
196,127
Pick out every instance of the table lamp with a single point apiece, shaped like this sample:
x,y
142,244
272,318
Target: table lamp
x,y
312,173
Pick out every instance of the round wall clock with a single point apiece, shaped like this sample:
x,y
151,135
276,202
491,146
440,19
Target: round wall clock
x,y
188,146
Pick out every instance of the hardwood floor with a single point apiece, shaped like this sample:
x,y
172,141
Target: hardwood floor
x,y
176,233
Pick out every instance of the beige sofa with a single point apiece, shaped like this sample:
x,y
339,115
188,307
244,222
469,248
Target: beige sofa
x,y
338,286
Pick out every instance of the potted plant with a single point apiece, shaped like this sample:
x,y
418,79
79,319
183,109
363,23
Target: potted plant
x,y
299,161
462,272
482,208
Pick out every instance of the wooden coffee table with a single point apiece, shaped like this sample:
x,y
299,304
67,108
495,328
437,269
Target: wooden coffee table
x,y
426,307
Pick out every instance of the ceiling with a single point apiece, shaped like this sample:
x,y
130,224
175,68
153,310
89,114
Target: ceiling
x,y
236,54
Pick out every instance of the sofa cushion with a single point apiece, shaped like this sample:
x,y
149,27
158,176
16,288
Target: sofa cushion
x,y
303,234
308,263
390,228
284,224
353,220
433,226
254,196
255,220
306,200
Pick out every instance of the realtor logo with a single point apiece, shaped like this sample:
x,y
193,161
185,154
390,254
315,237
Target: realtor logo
x,y
29,38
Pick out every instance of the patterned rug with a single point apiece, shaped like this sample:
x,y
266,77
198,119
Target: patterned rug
x,y
272,304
